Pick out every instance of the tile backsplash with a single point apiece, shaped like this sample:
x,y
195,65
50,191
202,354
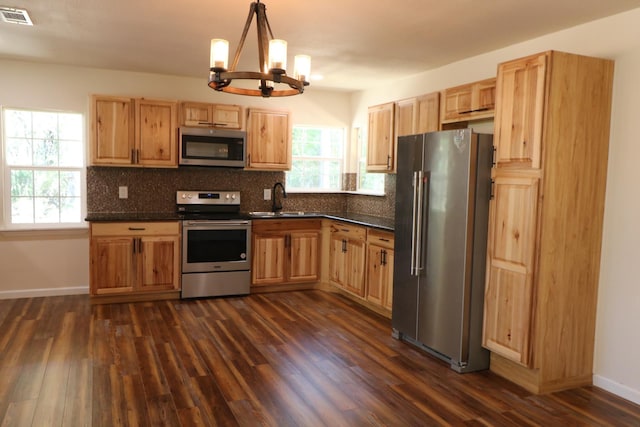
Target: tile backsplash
x,y
153,190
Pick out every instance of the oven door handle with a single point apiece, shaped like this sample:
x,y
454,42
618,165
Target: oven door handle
x,y
224,223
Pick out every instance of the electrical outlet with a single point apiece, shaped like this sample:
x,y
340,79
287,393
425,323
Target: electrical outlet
x,y
123,192
267,194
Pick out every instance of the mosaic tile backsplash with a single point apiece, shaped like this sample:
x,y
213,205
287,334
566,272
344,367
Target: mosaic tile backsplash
x,y
153,190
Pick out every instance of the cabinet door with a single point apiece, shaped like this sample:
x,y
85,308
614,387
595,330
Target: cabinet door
x,y
195,114
381,142
158,263
268,263
354,264
520,107
112,265
428,114
406,117
379,275
226,116
484,95
268,140
456,101
112,131
156,133
509,299
303,256
337,260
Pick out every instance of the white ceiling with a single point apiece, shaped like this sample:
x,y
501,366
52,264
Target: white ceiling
x,y
352,43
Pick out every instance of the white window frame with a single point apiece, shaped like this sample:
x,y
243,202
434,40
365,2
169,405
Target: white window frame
x,y
5,180
293,189
361,151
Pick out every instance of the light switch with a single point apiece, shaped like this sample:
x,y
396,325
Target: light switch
x,y
267,194
123,192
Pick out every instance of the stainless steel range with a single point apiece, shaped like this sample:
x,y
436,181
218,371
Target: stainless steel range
x,y
216,244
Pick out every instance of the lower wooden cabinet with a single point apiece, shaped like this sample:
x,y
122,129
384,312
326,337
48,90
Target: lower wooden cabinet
x,y
285,251
347,256
134,258
379,275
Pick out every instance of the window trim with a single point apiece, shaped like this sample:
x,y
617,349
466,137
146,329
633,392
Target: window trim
x,y
6,227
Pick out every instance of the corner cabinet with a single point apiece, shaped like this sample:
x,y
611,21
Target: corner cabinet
x,y
133,132
379,274
285,251
545,221
268,140
135,260
347,257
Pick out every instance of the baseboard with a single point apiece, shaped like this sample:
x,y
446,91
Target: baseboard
x,y
616,388
46,292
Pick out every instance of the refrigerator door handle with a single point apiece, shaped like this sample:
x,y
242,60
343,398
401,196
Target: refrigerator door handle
x,y
416,226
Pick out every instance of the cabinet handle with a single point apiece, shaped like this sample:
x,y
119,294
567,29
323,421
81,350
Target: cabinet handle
x,y
220,124
133,156
344,246
388,162
139,245
137,228
346,230
135,246
382,257
494,151
382,239
491,185
137,156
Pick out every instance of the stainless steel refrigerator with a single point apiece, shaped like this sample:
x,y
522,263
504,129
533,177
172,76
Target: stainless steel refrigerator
x,y
443,186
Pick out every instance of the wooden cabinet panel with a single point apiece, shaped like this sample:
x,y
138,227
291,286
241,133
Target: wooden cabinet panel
x,y
156,133
428,115
134,258
545,222
285,251
406,116
347,257
268,140
469,102
304,256
112,130
381,142
521,98
379,275
159,263
133,132
224,116
268,262
111,265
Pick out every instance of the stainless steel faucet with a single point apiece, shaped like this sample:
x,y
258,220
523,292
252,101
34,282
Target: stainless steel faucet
x,y
275,206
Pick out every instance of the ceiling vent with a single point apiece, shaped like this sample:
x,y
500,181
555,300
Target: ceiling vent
x,y
15,16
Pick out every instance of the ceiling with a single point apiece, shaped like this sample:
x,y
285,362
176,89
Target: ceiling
x,y
352,43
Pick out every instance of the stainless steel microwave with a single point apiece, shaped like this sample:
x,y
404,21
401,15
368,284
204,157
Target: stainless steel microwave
x,y
212,147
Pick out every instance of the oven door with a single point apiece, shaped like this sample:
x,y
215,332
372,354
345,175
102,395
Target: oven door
x,y
209,246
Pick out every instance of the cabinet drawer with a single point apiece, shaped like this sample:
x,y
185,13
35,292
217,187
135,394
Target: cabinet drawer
x,y
265,225
135,228
380,238
352,231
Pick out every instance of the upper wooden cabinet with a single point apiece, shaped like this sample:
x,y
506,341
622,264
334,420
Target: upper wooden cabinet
x,y
518,124
211,115
545,218
133,132
417,115
381,147
268,140
469,102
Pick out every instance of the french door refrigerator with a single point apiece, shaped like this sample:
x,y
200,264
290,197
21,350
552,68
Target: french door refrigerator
x,y
443,187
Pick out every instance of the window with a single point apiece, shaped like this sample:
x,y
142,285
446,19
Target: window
x,y
43,169
317,159
372,183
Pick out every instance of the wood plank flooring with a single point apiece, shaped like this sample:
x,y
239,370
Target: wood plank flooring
x,y
306,358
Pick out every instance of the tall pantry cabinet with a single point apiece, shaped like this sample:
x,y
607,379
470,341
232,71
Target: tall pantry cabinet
x,y
545,226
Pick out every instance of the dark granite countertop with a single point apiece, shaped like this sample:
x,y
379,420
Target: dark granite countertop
x,y
355,218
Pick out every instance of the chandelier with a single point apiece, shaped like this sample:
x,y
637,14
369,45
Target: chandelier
x,y
272,57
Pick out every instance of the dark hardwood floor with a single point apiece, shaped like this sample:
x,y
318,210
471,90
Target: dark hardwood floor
x,y
284,359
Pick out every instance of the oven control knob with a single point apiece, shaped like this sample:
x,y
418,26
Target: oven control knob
x,y
233,197
184,196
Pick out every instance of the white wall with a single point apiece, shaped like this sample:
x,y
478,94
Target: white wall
x,y
53,263
617,344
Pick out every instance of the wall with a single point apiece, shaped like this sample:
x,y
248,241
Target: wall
x,y
52,263
617,347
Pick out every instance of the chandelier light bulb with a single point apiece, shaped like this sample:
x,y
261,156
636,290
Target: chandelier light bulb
x,y
302,67
277,54
219,54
